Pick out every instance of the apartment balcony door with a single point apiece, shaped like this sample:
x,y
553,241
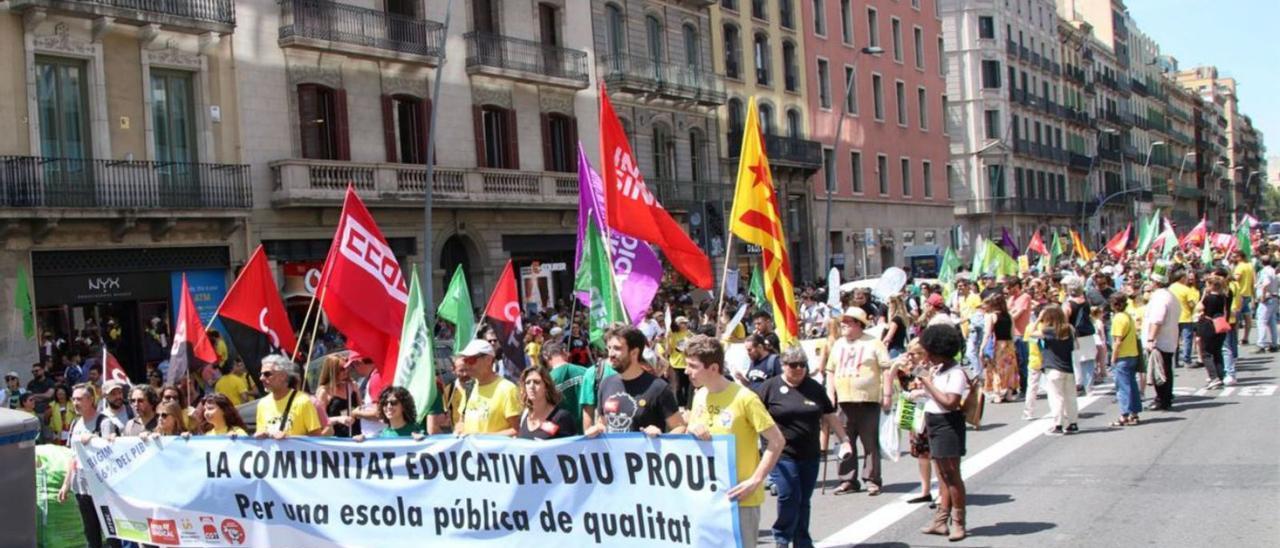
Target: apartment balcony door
x,y
173,118
63,111
549,35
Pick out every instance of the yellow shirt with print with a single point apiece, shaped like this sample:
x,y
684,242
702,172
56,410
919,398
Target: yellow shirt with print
x,y
232,386
534,351
1245,275
1188,297
676,358
489,406
302,418
858,381
1032,337
738,411
1124,328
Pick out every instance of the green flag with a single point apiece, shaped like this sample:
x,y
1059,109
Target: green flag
x,y
22,301
999,262
415,369
1206,254
1170,242
757,288
456,308
1243,243
595,276
979,250
1147,232
950,263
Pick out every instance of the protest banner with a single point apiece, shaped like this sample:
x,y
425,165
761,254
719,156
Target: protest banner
x,y
616,490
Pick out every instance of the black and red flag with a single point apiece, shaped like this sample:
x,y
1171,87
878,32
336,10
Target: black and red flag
x,y
191,349
503,313
253,314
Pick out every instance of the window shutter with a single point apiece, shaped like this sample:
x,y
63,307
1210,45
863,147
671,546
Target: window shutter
x,y
389,127
308,112
477,117
342,135
572,145
548,151
425,124
512,155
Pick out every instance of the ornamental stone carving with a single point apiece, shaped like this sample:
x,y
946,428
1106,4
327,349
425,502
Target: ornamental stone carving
x,y
550,101
62,41
481,95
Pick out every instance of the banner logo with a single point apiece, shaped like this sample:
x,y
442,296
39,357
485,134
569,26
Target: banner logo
x,y
163,531
360,246
233,532
628,174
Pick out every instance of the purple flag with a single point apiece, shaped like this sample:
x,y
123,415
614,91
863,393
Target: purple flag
x,y
634,263
1006,241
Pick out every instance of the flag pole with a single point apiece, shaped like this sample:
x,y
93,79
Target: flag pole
x,y
428,244
311,346
724,277
297,345
608,257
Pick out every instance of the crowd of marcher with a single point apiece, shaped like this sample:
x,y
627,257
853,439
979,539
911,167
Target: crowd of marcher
x,y
935,345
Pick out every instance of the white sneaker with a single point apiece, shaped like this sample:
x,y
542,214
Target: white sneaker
x,y
1028,415
1231,381
1215,383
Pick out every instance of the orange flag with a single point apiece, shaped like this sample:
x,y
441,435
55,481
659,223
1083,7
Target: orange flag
x,y
1081,251
1119,242
757,220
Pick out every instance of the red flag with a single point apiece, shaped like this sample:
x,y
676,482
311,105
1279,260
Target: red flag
x,y
191,346
1197,234
1037,244
363,292
254,315
1119,242
503,312
630,207
111,368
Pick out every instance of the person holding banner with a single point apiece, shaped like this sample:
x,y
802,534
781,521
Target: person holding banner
x,y
221,417
633,399
542,419
91,423
721,407
492,405
284,411
399,412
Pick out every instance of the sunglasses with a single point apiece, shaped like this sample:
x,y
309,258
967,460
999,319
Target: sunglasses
x,y
137,400
392,402
267,374
795,365
165,415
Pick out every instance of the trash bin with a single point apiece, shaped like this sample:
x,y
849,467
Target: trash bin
x,y
18,432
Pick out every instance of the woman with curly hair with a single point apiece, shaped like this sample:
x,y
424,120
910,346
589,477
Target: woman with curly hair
x,y
944,387
396,407
542,419
999,358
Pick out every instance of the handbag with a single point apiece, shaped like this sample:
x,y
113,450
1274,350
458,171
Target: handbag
x,y
1221,325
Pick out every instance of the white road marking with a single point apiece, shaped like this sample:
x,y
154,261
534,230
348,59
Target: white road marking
x,y
879,520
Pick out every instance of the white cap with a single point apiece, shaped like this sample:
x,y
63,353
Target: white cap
x,y
477,347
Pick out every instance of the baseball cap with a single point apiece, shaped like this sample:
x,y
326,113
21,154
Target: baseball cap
x,y
935,300
477,347
682,319
109,386
12,375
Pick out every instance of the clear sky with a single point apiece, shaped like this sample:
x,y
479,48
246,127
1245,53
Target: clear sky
x,y
1237,36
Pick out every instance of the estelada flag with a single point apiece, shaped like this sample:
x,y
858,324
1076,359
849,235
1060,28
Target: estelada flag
x,y
191,349
632,209
1037,244
1082,252
253,314
362,290
1119,242
503,314
757,220
111,368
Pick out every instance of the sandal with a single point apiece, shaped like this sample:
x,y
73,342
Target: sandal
x,y
873,490
1122,421
846,488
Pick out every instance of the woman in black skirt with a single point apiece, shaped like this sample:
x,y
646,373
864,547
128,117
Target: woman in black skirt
x,y
945,390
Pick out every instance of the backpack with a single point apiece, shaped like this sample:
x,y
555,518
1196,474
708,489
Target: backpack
x,y
974,404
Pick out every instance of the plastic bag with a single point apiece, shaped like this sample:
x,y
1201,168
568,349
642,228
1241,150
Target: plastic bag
x,y
908,415
890,436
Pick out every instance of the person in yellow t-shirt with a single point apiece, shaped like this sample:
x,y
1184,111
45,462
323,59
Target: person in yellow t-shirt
x,y
1125,361
533,346
1243,277
1185,293
284,411
1035,363
721,406
493,404
679,380
234,385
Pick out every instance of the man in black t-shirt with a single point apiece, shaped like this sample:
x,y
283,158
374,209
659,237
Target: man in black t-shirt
x,y
634,400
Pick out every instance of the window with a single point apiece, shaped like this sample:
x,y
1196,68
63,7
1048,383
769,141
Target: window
x,y
786,15
664,152
496,137
992,118
653,30
906,177
918,43
922,106
819,18
735,115
766,119
927,176
173,116
559,142
895,28
731,5
732,53
697,154
900,93
850,91
942,61
946,116
873,33
824,84
790,73
986,27
692,48
322,112
617,31
877,96
762,59
995,181
405,120
855,166
795,129
757,9
882,173
846,21
991,74
829,170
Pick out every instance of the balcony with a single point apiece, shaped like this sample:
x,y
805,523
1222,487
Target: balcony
x,y
1024,53
314,183
1110,154
1140,88
1079,161
642,75
343,28
677,195
1190,192
1027,206
183,15
34,184
526,60
784,151
1011,48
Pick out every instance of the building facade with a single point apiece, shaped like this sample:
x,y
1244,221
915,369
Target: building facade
x,y
1242,151
876,94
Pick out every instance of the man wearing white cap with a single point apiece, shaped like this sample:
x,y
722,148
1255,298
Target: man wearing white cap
x,y
492,405
113,404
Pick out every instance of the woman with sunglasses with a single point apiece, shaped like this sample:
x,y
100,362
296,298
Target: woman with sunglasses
x,y
221,418
176,395
398,412
168,420
541,419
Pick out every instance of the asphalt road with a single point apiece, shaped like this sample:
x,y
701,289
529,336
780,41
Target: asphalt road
x,y
1205,474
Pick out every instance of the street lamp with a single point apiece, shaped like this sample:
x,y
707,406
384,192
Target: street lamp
x,y
848,98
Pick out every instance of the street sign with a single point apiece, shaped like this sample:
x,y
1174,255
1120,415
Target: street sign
x,y
869,237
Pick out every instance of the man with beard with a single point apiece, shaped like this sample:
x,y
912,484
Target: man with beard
x,y
90,423
143,399
114,407
633,400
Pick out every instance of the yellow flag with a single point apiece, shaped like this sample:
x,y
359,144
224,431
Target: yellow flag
x,y
756,219
1081,251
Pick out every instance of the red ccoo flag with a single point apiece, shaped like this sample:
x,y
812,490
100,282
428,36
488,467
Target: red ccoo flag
x,y
191,349
362,290
631,209
111,368
253,313
1119,242
1037,244
503,312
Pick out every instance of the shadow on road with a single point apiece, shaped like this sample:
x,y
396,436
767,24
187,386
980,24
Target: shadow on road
x,y
1011,528
986,499
1201,405
1159,420
885,545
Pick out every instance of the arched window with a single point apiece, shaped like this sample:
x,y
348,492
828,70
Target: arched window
x,y
766,119
697,154
692,48
653,27
664,152
761,51
794,128
617,30
735,115
790,72
732,52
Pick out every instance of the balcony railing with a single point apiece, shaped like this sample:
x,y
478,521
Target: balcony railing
x,y
1011,47
783,150
42,182
1029,206
205,14
1080,161
300,183
530,60
643,74
321,20
684,195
